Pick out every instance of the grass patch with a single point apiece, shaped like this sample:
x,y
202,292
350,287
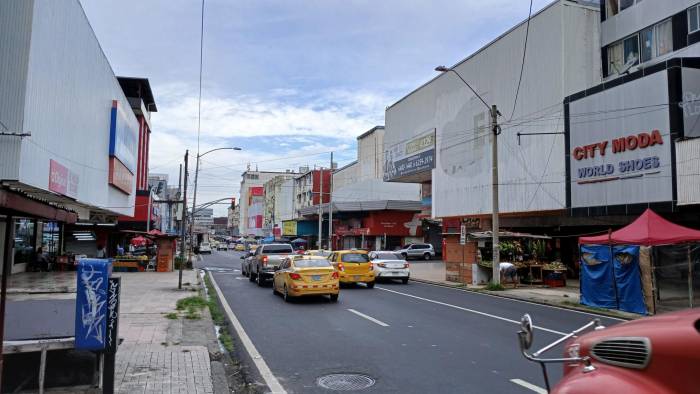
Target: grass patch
x,y
171,316
494,287
193,302
225,339
218,316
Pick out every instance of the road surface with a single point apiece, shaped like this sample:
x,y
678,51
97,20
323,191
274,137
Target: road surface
x,y
414,338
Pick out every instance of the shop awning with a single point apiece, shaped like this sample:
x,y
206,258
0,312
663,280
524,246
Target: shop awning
x,y
649,229
18,203
506,234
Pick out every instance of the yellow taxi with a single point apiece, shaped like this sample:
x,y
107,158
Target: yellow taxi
x,y
306,276
353,266
239,248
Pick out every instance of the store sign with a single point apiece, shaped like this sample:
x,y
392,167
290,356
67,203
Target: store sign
x,y
620,156
120,176
411,157
289,227
123,139
62,180
256,191
463,234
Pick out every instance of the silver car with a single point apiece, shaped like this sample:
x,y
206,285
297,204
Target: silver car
x,y
417,251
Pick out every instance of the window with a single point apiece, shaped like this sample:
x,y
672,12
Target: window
x,y
694,18
278,249
615,58
664,37
312,263
613,7
24,241
354,258
654,41
631,47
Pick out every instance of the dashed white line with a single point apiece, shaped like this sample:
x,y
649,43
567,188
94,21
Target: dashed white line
x,y
370,318
529,386
469,310
272,383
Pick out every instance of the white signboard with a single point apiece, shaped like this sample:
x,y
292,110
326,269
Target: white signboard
x,y
410,157
463,234
620,147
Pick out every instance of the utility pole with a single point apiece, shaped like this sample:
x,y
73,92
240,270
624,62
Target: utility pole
x,y
320,207
330,208
496,268
194,199
183,223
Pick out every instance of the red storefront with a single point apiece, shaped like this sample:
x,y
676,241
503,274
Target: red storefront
x,y
379,230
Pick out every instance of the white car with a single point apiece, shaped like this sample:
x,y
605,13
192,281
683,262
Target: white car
x,y
390,265
204,247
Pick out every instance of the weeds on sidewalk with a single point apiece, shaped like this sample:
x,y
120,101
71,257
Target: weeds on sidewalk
x,y
171,316
191,306
218,316
494,287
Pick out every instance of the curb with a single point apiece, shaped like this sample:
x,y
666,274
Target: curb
x,y
540,302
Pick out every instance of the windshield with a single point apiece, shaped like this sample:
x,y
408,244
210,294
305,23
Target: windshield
x,y
388,256
312,263
277,249
354,258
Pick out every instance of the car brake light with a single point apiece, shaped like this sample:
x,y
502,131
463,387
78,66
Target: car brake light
x,y
381,265
341,267
294,276
371,266
405,265
264,261
334,275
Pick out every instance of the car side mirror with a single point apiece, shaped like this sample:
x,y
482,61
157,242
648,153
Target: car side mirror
x,y
526,333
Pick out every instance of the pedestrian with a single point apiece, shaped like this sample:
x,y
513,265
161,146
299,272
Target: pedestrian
x,y
508,271
41,262
120,250
101,252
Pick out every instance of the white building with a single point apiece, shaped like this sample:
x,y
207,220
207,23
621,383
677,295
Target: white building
x,y
362,180
440,133
279,202
252,201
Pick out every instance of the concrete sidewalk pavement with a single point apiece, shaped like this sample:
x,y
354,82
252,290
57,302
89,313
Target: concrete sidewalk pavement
x,y
161,355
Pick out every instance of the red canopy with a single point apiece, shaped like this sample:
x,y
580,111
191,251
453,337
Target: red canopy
x,y
649,229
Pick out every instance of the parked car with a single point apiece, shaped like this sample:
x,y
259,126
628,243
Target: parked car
x,y
417,251
390,265
353,266
231,246
659,354
221,246
306,276
239,248
261,265
204,247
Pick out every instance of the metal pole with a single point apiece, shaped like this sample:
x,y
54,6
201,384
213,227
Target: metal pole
x,y
6,270
183,223
320,209
148,215
194,201
330,208
690,279
496,269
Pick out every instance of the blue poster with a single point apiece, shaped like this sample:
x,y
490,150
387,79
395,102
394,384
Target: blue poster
x,y
597,285
91,303
628,279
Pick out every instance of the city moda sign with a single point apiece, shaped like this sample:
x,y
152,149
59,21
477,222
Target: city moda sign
x,y
62,180
619,144
410,157
123,138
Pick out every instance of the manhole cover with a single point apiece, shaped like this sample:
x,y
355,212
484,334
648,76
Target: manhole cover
x,y
345,382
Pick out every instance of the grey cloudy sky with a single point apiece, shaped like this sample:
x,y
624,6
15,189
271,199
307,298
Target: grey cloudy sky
x,y
288,81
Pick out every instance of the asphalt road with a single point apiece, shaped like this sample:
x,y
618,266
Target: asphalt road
x,y
414,338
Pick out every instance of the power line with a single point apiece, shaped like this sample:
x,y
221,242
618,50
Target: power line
x,y
522,64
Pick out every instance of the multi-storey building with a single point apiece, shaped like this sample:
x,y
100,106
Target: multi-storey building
x,y
279,203
252,201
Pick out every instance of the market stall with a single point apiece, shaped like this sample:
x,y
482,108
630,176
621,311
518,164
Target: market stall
x,y
647,262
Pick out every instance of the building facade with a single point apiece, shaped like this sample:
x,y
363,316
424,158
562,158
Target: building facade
x,y
252,201
279,203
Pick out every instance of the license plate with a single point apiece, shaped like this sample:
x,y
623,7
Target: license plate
x,y
395,273
316,277
356,277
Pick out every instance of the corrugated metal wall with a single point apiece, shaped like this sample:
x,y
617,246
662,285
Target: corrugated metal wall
x,y
688,171
15,33
70,88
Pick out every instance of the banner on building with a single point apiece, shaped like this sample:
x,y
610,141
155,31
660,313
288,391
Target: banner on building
x,y
410,157
62,180
289,227
123,138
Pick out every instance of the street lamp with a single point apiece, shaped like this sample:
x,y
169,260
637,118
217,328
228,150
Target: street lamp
x,y
495,129
196,176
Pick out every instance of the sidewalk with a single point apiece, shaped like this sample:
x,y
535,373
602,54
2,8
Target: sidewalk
x,y
566,297
161,355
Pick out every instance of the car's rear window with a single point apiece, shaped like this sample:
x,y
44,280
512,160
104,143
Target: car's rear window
x,y
389,256
277,249
354,258
205,244
312,263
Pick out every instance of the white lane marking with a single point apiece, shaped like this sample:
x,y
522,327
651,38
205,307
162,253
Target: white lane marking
x,y
529,385
370,318
469,310
525,302
272,383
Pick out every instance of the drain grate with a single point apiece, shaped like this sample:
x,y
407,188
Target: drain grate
x,y
345,382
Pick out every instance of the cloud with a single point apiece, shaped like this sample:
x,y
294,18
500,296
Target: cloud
x,y
284,112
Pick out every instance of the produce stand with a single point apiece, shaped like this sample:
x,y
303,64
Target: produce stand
x,y
130,263
527,252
